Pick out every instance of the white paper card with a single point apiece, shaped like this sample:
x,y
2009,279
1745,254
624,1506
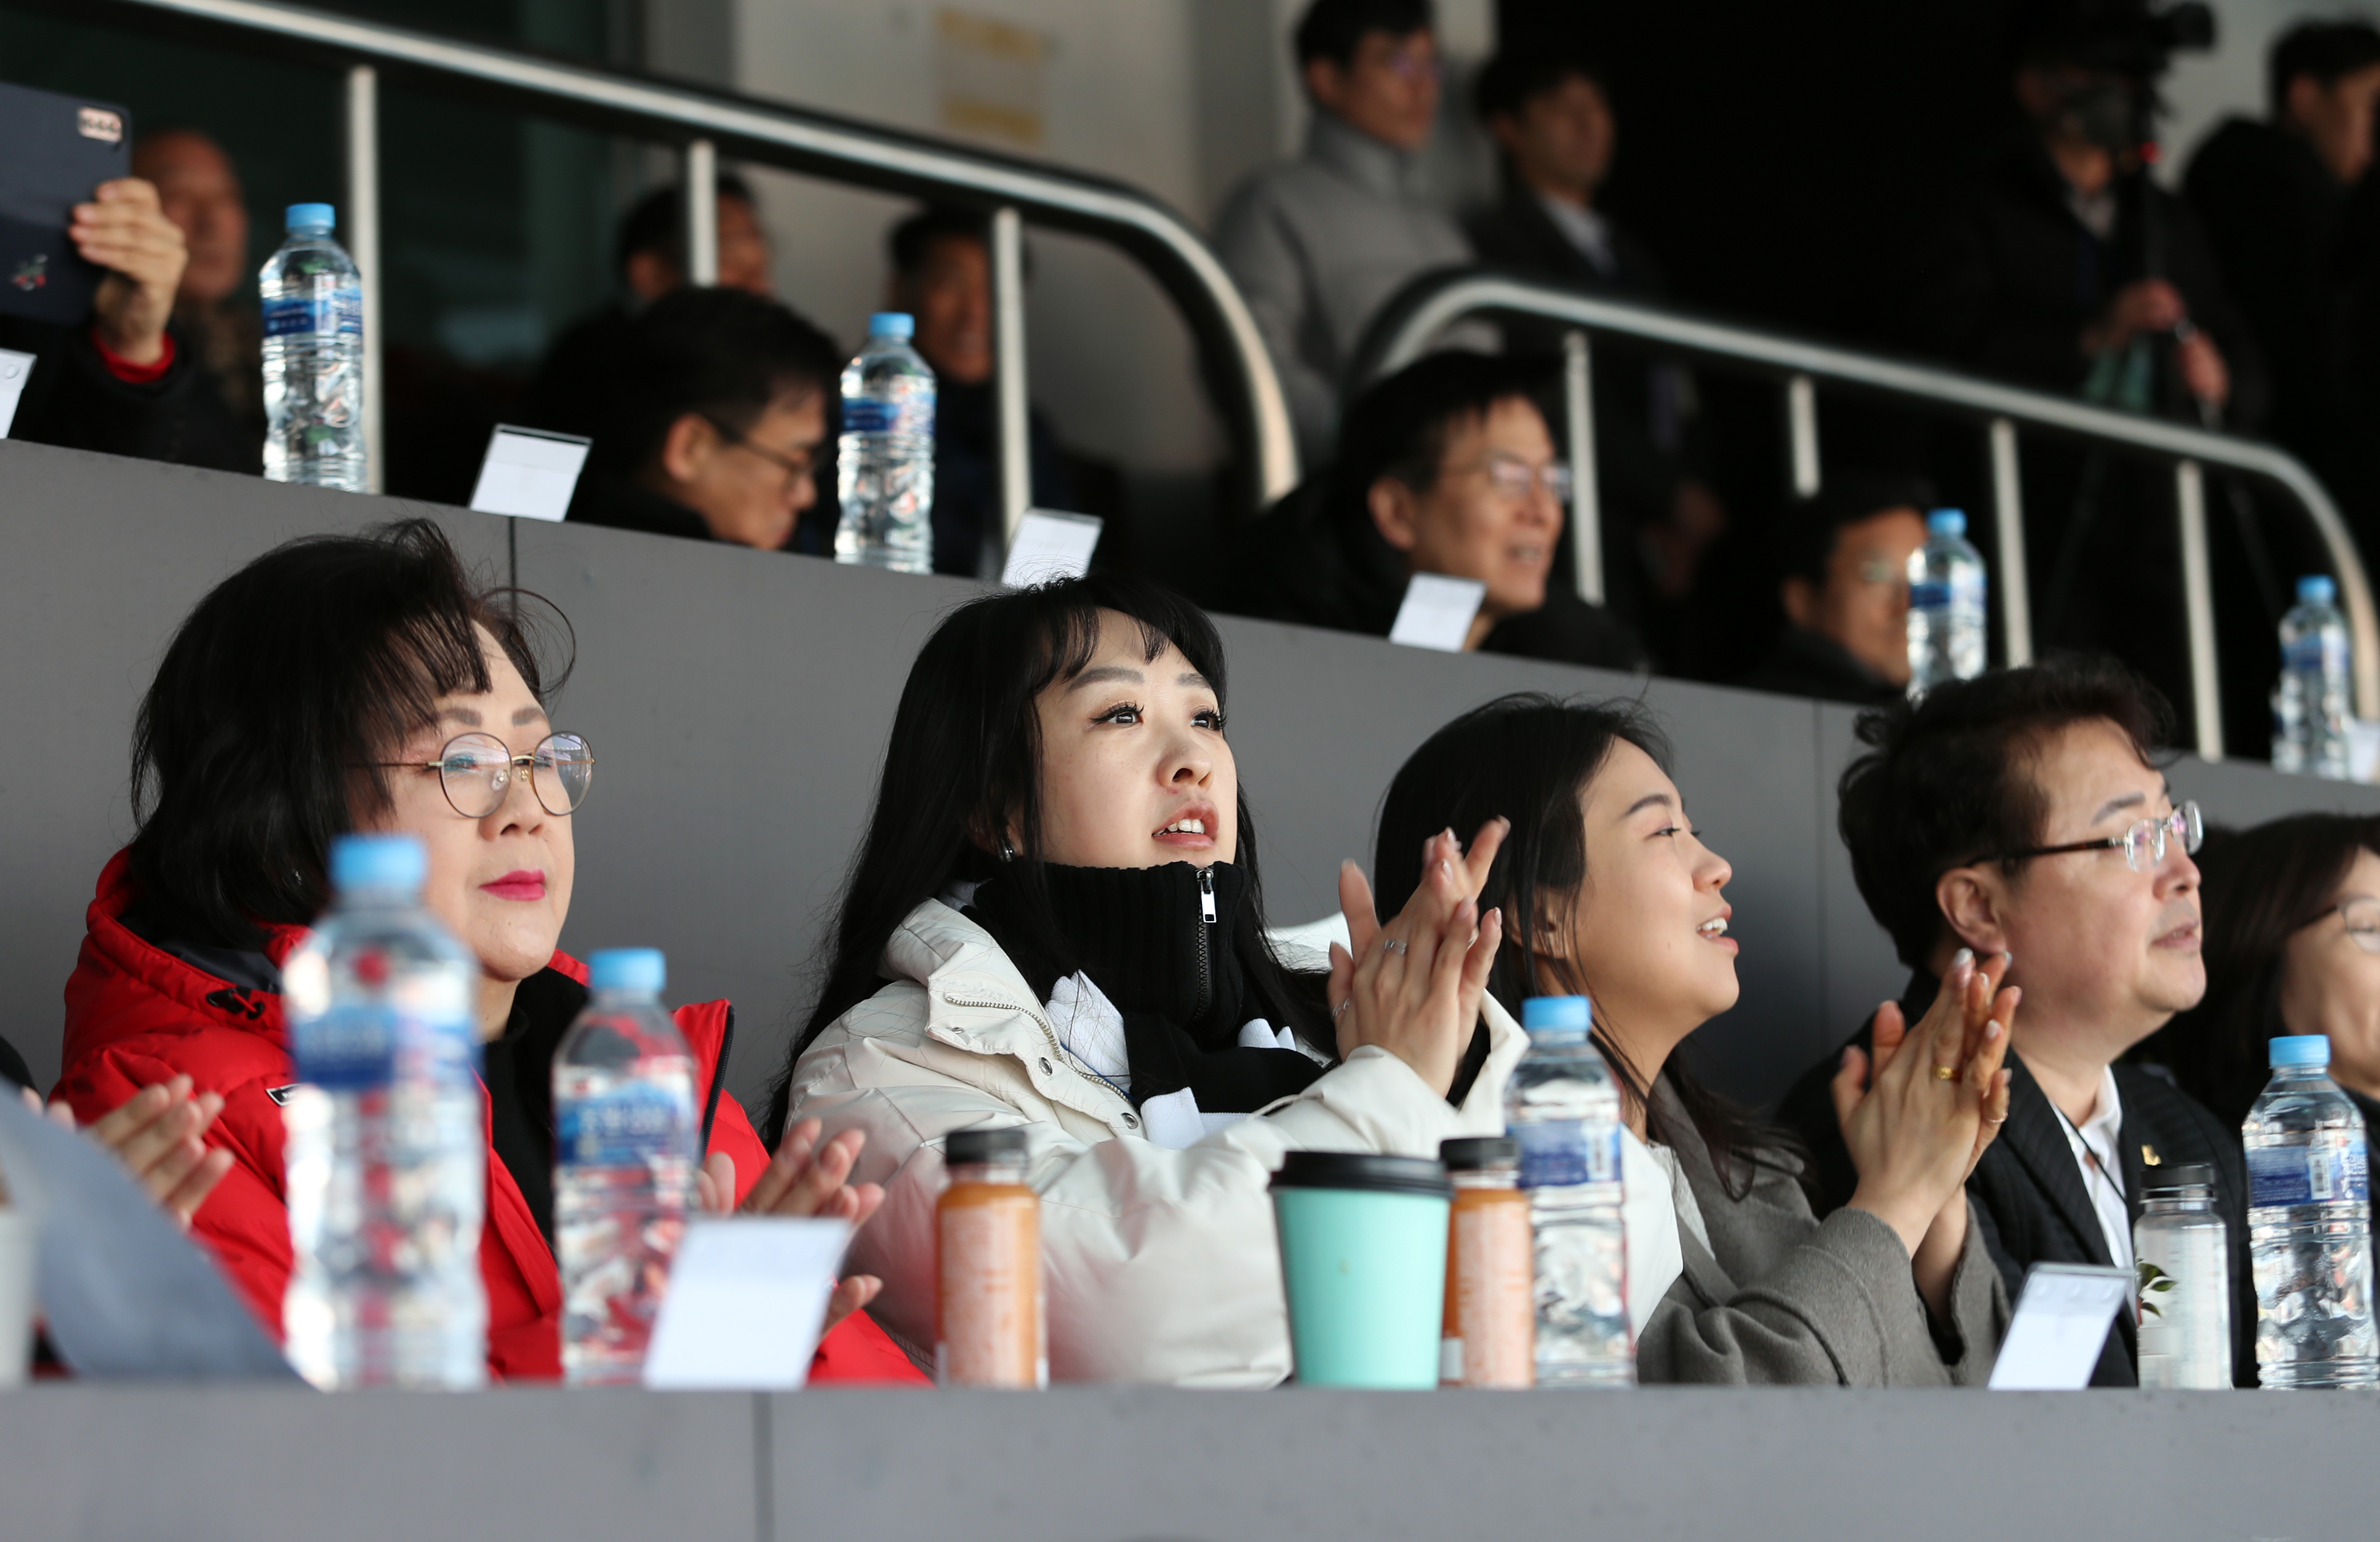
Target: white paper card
x,y
747,1297
1438,612
1049,546
2363,748
528,472
2061,1323
14,368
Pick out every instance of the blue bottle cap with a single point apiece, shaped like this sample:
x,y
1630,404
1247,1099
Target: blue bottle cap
x,y
1557,1012
892,323
312,216
2317,589
2301,1049
1946,522
638,969
378,862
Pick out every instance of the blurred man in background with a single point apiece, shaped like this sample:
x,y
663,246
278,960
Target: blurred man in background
x,y
579,376
717,431
1317,243
2274,198
942,275
215,309
1552,118
1845,591
2064,266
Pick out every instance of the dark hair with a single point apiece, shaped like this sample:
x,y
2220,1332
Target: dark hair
x,y
1529,758
1806,543
656,222
2325,50
1947,779
1507,82
1399,428
289,679
913,237
2257,888
964,759
723,353
1334,30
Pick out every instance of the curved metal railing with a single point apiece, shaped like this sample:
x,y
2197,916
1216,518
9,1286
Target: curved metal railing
x,y
708,123
1426,306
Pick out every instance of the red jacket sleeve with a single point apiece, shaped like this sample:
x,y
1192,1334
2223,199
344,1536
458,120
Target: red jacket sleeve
x,y
245,1223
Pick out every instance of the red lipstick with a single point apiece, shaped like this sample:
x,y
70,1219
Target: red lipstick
x,y
521,883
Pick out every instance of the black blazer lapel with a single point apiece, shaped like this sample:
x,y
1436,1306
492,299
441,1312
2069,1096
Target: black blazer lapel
x,y
2035,1135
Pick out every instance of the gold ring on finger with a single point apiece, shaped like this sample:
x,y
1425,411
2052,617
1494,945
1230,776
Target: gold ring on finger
x,y
1946,1073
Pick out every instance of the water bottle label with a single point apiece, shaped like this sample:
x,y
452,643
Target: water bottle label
x,y
1932,594
355,1049
297,315
870,415
629,1126
2331,1168
1563,1153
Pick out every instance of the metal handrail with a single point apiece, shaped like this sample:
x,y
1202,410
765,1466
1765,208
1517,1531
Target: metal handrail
x,y
1406,327
709,123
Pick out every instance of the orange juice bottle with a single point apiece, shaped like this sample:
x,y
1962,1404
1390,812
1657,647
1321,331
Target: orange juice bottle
x,y
1491,1320
988,1314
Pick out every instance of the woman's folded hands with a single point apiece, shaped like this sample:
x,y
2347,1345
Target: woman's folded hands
x,y
1413,986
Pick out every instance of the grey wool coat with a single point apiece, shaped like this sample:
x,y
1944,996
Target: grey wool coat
x,y
1780,1297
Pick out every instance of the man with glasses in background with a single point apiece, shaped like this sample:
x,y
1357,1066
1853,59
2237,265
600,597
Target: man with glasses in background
x,y
1844,556
721,412
1447,467
2021,816
1317,243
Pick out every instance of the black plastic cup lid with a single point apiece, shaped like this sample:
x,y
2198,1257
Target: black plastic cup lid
x,y
982,1146
2177,1176
1471,1153
1363,1170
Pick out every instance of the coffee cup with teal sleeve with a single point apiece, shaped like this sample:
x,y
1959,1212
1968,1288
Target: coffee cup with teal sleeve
x,y
1363,1255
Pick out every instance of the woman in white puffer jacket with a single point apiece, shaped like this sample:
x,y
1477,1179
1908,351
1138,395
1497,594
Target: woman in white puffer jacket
x,y
1059,885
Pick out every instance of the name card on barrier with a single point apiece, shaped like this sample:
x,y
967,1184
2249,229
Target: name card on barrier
x,y
1438,612
746,1298
529,473
2061,1321
15,368
1049,546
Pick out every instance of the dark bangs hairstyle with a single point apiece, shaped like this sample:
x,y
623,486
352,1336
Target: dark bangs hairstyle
x,y
1530,758
2257,889
254,746
964,760
1949,779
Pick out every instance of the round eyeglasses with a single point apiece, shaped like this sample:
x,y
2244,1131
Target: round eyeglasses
x,y
2361,915
476,772
2144,845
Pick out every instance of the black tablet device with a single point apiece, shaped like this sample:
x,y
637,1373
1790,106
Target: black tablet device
x,y
54,151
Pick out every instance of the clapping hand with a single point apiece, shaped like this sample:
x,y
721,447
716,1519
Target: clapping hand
x,y
1413,987
157,1135
805,1179
1919,1112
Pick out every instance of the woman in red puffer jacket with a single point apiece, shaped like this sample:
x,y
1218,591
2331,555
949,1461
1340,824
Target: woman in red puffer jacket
x,y
338,683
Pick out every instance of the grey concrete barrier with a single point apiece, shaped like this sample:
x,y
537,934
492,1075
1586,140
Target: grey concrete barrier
x,y
1152,1465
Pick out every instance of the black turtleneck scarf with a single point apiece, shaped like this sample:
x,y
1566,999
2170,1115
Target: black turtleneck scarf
x,y
1143,936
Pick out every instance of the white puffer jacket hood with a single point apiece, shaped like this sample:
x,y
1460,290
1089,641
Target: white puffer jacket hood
x,y
1158,1265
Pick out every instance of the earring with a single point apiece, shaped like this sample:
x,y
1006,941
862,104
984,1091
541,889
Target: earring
x,y
1007,852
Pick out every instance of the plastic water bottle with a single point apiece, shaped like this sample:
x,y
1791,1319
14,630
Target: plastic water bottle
x,y
625,1158
884,462
386,1157
2310,1225
314,357
1946,605
2309,703
1563,1108
2184,1255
